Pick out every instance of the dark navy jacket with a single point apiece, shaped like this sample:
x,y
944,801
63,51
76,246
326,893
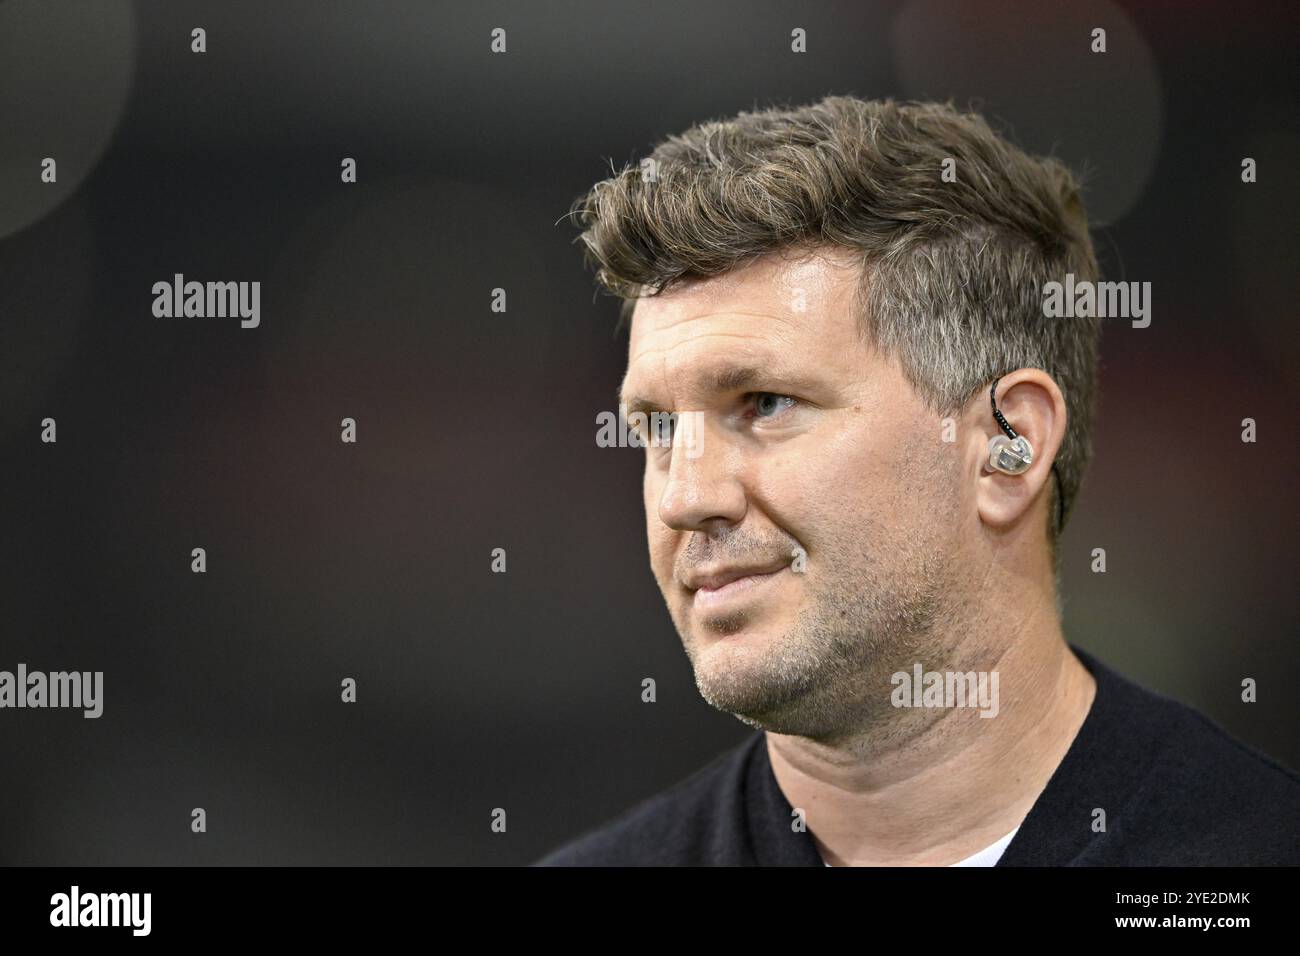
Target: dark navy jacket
x,y
1177,789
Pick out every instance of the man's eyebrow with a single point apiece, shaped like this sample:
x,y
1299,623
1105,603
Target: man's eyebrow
x,y
636,404
725,378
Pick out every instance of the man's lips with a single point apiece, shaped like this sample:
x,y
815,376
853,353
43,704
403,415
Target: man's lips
x,y
713,587
716,578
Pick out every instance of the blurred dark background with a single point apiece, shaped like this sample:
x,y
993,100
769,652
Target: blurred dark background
x,y
476,429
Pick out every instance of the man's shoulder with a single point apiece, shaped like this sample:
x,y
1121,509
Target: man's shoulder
x,y
696,821
1206,797
1223,801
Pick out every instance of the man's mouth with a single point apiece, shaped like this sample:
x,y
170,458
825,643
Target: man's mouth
x,y
715,587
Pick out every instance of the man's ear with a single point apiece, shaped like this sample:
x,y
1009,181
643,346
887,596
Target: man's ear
x,y
1034,407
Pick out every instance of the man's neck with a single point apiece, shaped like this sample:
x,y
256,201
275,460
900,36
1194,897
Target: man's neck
x,y
952,783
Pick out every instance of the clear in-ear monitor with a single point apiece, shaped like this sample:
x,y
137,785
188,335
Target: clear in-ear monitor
x,y
1010,456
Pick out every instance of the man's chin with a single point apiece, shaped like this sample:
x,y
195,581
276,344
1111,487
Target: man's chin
x,y
738,674
761,623
763,707
733,645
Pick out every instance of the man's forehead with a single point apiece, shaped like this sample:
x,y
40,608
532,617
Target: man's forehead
x,y
722,350
800,289
777,319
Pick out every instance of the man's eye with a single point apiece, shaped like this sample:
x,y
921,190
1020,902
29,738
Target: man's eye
x,y
770,404
655,429
663,425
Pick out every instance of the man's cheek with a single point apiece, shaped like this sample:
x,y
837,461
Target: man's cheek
x,y
662,546
661,555
802,499
652,489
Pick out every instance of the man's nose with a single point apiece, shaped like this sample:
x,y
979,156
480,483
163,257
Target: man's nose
x,y
704,486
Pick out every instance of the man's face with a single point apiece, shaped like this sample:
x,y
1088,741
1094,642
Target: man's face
x,y
803,529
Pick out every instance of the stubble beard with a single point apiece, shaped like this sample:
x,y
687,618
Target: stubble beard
x,y
828,676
